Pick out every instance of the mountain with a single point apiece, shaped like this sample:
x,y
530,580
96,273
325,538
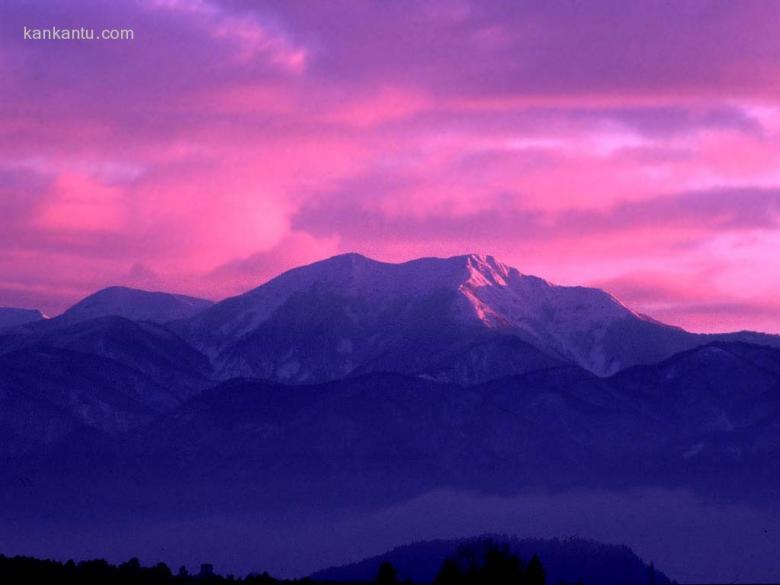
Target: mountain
x,y
47,395
381,438
465,319
107,373
89,442
10,317
571,560
443,367
352,386
711,409
134,304
719,407
719,387
150,348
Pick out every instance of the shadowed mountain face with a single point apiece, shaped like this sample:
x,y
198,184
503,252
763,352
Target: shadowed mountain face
x,y
47,394
572,560
109,373
354,385
676,422
252,449
381,438
150,348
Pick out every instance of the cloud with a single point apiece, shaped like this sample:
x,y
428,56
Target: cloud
x,y
232,139
80,204
505,49
712,210
504,217
249,36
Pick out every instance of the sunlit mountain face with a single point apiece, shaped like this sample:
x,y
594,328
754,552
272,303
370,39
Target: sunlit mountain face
x,y
286,285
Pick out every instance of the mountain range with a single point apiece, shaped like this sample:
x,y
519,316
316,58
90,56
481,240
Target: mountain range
x,y
357,384
465,320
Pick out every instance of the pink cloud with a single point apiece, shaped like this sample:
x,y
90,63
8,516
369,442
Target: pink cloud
x,y
80,204
232,140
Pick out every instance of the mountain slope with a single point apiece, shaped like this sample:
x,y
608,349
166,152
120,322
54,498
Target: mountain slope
x,y
134,304
150,349
381,437
48,394
109,374
719,404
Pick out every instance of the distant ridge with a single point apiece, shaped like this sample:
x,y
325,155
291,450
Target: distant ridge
x,y
11,317
134,304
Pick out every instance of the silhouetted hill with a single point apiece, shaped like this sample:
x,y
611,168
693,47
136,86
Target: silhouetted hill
x,y
572,560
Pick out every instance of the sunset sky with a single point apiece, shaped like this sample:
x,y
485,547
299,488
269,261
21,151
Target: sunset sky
x,y
633,146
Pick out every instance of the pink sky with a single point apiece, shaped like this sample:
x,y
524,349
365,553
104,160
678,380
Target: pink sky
x,y
629,145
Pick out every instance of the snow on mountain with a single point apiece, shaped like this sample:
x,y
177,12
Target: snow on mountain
x,y
359,310
10,317
134,304
348,275
571,321
464,319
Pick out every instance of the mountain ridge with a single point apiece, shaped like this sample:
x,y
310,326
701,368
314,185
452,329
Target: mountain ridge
x,y
136,304
354,301
464,319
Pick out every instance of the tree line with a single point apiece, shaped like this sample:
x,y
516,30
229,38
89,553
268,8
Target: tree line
x,y
491,564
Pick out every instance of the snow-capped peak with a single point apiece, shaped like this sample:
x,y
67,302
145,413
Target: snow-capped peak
x,y
486,271
477,291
